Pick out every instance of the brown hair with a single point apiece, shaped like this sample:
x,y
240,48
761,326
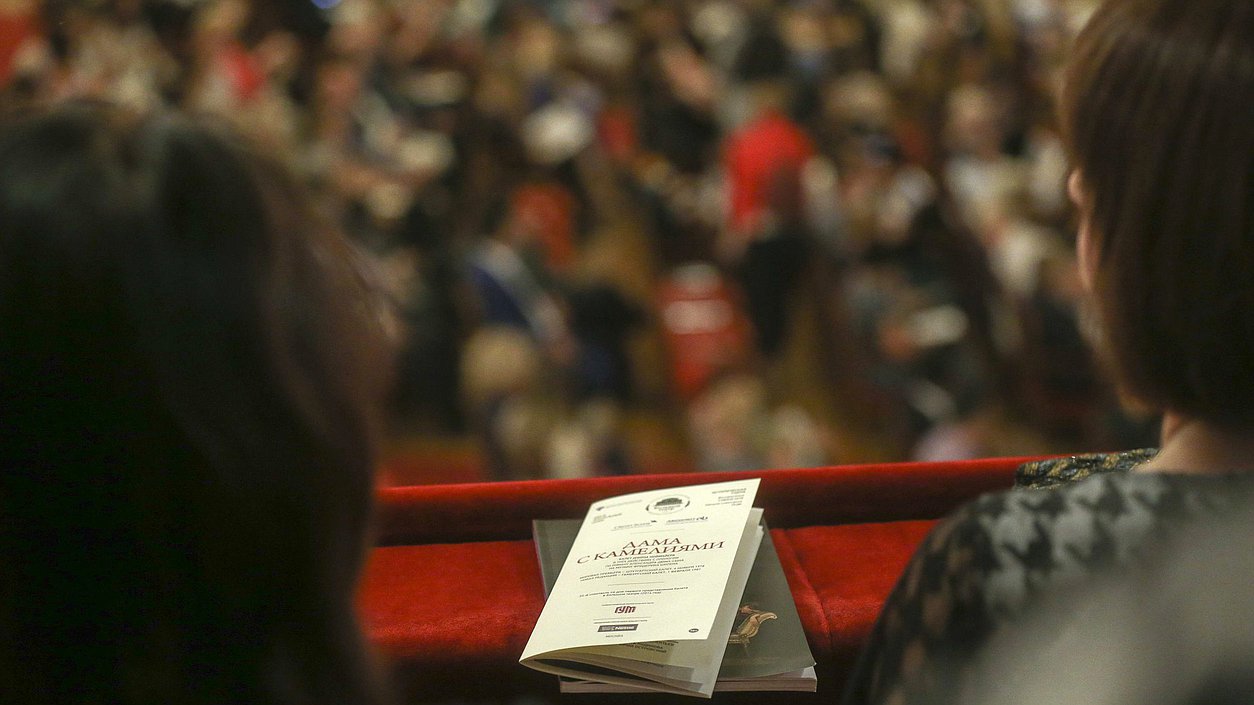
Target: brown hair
x,y
187,395
1158,111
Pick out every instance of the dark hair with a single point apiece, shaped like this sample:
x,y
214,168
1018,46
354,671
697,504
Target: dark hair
x,y
764,55
1158,111
186,421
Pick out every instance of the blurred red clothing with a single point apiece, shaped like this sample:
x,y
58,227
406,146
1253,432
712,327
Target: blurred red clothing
x,y
242,70
703,327
763,161
548,212
16,27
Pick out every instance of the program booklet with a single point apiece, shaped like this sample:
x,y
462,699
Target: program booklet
x,y
644,573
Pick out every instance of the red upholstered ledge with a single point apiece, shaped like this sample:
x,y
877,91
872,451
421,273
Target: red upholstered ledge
x,y
452,589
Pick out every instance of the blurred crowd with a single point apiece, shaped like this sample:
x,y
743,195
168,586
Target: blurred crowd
x,y
780,228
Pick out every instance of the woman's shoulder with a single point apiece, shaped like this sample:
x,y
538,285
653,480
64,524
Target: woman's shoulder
x,y
1028,540
1109,502
983,565
1104,489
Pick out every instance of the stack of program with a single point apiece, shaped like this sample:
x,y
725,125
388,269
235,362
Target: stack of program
x,y
676,590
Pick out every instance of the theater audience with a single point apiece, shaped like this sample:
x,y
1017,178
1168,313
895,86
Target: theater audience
x,y
656,135
190,369
1156,113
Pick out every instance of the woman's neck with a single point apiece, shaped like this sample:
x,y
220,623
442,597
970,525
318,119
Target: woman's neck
x,y
1193,446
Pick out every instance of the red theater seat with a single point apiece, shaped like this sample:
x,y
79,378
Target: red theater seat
x,y
452,590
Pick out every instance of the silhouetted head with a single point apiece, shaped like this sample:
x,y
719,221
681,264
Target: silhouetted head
x,y
189,363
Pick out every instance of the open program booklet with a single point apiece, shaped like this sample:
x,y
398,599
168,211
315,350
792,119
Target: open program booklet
x,y
649,593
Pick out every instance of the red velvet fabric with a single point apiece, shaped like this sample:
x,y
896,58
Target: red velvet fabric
x,y
450,595
755,157
807,497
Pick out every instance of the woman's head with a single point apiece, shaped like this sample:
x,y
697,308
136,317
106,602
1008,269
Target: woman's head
x,y
186,414
1158,111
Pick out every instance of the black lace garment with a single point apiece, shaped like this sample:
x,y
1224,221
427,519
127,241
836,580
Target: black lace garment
x,y
981,567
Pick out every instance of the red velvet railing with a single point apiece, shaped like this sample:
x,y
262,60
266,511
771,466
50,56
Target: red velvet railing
x,y
832,495
451,593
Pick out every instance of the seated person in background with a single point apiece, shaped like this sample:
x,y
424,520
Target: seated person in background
x,y
188,387
1158,115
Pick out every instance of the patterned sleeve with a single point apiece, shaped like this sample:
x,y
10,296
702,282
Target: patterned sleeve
x,y
934,618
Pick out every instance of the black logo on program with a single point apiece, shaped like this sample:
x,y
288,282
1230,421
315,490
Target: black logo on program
x,y
617,628
668,505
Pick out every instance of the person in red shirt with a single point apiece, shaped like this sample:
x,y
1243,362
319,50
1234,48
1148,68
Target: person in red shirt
x,y
764,237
